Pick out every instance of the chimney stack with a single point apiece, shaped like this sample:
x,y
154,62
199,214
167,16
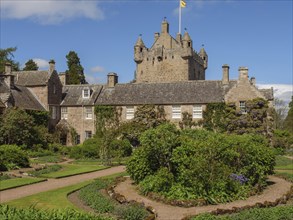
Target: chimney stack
x,y
51,66
253,81
243,73
112,80
9,78
225,79
165,27
157,35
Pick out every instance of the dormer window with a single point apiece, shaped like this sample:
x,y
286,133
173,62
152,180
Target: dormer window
x,y
86,93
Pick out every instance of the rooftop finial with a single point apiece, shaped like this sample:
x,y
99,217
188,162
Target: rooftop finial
x,y
165,18
202,45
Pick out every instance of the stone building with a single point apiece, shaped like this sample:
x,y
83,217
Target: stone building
x,y
170,74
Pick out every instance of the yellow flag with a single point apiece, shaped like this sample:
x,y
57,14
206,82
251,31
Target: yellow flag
x,y
182,3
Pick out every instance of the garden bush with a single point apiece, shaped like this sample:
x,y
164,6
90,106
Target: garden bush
x,y
198,164
89,149
12,157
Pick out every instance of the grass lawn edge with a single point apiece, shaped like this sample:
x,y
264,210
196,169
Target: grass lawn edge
x,y
25,184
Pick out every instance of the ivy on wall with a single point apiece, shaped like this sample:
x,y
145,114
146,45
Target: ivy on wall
x,y
106,118
221,117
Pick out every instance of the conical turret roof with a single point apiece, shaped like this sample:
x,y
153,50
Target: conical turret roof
x,y
139,42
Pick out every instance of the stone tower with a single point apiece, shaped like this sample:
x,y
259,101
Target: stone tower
x,y
169,59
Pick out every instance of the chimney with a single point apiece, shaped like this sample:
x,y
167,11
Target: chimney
x,y
112,80
225,79
9,78
165,27
253,81
51,66
8,68
243,73
157,35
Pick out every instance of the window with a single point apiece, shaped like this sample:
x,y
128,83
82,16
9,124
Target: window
x,y
129,112
54,88
176,111
88,112
197,111
64,113
53,109
88,134
77,139
86,93
242,106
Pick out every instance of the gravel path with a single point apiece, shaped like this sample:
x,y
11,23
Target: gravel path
x,y
168,212
11,194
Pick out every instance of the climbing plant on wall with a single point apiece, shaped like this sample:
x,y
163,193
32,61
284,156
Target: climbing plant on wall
x,y
221,117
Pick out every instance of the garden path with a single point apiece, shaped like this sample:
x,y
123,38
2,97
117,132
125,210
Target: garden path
x,y
168,212
16,193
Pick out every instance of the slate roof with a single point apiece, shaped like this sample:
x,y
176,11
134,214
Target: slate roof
x,y
268,93
190,92
23,98
31,78
73,95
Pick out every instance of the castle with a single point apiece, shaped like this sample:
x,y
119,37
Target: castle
x,y
170,74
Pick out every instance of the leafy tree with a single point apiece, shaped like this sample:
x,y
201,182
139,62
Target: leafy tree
x,y
75,70
6,55
24,129
288,123
145,117
30,65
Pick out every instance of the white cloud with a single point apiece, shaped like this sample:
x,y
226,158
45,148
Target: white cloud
x,y
50,11
42,64
281,91
98,69
95,79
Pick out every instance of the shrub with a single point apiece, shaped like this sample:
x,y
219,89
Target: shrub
x,y
89,149
12,156
197,164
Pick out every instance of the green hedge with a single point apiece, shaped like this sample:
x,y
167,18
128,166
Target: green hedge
x,y
12,157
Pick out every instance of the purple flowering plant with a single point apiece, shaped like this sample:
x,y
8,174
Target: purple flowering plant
x,y
239,177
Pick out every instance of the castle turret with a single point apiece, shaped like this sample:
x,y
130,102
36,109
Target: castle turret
x,y
204,57
187,42
138,50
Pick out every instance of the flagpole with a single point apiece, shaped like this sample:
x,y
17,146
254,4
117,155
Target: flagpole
x,y
179,16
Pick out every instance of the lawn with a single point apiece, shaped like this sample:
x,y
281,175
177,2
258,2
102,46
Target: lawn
x,y
16,182
73,169
284,167
53,199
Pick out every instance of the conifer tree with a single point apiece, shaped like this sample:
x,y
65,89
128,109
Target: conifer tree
x,y
6,55
75,70
30,65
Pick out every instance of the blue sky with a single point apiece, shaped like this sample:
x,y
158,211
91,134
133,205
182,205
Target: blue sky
x,y
255,34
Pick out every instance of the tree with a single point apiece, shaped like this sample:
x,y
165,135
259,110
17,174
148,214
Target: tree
x,y
75,70
30,65
6,55
288,123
